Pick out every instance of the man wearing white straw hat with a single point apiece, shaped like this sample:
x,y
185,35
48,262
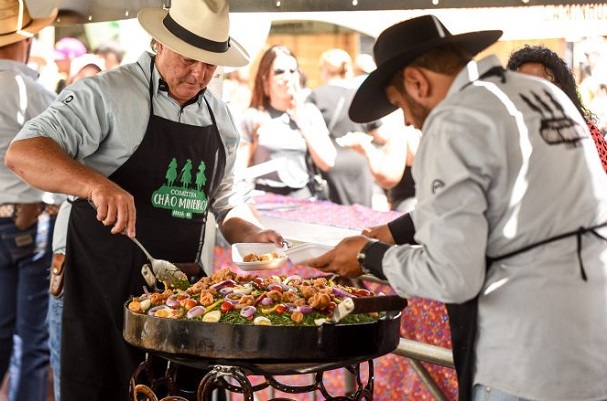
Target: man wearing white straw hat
x,y
25,224
114,140
510,221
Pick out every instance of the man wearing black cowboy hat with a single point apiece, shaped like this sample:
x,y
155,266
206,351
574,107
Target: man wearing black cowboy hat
x,y
510,217
26,225
154,152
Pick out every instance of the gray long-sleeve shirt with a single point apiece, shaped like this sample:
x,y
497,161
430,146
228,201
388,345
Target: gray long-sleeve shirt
x,y
108,115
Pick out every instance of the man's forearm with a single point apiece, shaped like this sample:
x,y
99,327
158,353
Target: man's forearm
x,y
43,164
240,224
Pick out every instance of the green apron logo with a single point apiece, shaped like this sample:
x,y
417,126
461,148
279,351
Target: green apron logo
x,y
179,194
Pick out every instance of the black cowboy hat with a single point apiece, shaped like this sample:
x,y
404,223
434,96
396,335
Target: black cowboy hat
x,y
396,47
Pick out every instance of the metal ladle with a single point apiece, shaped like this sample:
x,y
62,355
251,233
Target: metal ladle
x,y
163,270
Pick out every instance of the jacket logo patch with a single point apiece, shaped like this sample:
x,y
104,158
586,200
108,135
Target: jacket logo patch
x,y
437,185
556,126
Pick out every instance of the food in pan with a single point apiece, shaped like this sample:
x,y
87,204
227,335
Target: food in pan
x,y
249,299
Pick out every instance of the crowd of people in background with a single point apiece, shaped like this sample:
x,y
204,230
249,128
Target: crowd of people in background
x,y
289,134
384,180
591,77
72,58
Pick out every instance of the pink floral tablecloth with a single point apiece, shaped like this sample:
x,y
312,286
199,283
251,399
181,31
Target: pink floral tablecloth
x,y
423,320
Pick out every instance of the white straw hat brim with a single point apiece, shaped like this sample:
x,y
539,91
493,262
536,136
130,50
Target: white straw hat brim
x,y
152,21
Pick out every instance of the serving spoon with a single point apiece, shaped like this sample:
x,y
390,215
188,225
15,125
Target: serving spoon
x,y
163,270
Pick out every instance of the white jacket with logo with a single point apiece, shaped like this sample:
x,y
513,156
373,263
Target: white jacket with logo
x,y
503,165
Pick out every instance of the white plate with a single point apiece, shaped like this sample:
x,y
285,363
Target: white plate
x,y
240,250
300,254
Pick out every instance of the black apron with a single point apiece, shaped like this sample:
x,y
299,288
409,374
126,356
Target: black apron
x,y
173,176
463,318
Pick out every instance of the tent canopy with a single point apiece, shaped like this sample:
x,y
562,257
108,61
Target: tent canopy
x,y
83,11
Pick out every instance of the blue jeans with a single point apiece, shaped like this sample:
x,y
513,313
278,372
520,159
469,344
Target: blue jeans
x,y
485,393
55,312
25,257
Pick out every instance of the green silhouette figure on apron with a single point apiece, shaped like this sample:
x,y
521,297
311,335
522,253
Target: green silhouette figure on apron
x,y
201,179
186,174
171,174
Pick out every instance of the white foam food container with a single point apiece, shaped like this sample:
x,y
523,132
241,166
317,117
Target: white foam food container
x,y
240,250
299,254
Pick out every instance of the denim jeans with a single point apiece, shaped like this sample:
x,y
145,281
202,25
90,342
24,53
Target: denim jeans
x,y
25,257
55,312
485,393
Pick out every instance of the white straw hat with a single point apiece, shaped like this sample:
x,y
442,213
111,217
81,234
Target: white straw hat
x,y
16,23
197,29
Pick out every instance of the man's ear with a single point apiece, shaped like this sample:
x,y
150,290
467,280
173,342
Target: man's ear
x,y
416,82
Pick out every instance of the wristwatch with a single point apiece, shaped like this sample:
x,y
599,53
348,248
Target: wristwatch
x,y
362,256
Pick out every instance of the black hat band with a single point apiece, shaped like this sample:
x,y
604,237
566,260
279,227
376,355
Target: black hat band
x,y
194,40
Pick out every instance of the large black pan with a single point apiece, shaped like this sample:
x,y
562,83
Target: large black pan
x,y
265,349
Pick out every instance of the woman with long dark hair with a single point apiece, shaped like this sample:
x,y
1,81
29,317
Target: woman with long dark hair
x,y
280,127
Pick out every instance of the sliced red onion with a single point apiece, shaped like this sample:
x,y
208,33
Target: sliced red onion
x,y
226,290
224,283
287,288
305,309
291,307
341,293
294,278
266,301
275,287
174,299
196,311
144,297
152,311
260,298
248,311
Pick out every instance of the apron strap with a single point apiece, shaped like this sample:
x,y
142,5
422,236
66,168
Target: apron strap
x,y
151,86
579,233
